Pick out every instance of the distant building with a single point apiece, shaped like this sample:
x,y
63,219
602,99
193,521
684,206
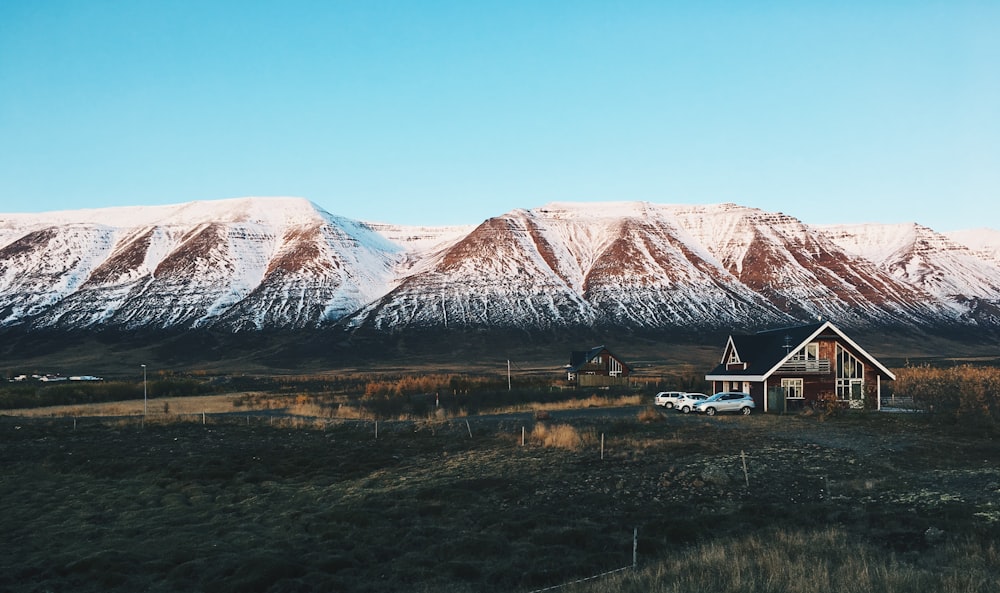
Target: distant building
x,y
596,367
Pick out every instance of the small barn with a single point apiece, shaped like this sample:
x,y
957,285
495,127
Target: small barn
x,y
789,368
597,367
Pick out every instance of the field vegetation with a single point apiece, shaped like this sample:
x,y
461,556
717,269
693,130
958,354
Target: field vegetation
x,y
250,502
967,395
380,482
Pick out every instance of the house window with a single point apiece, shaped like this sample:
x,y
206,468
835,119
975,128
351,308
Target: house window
x,y
850,373
734,358
792,388
809,352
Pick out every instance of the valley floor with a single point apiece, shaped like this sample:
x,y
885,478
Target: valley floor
x,y
508,504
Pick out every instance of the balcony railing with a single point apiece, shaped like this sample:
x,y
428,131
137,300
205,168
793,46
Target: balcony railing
x,y
806,366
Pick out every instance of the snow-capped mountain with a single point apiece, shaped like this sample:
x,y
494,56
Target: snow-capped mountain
x,y
242,264
262,263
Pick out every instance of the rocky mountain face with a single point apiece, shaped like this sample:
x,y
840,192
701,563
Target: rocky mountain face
x,y
282,263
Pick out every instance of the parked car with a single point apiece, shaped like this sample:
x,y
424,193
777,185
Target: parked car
x,y
686,402
726,401
667,399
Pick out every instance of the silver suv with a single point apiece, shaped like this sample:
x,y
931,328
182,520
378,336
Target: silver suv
x,y
667,399
726,401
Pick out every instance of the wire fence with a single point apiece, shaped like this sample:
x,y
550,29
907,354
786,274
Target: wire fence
x,y
898,402
470,427
635,562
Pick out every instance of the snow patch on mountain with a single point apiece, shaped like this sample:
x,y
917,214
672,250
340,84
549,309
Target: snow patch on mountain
x,y
922,257
254,263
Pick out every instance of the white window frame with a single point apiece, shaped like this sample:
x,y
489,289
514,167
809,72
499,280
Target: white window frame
x,y
789,386
850,371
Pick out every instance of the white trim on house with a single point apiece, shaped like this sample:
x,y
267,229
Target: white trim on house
x,y
842,336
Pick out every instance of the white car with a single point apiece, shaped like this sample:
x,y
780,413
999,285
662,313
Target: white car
x,y
667,399
686,402
726,401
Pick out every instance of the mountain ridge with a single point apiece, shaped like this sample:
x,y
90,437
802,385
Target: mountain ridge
x,y
252,264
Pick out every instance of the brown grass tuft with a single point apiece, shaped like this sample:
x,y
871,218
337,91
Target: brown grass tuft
x,y
561,436
650,414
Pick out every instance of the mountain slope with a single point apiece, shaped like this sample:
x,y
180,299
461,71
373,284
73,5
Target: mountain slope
x,y
242,264
282,263
650,266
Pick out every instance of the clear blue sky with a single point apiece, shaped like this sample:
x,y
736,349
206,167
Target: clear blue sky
x,y
427,112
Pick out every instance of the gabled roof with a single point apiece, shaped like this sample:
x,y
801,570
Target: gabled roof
x,y
764,352
578,358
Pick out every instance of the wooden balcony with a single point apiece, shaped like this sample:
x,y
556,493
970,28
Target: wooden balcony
x,y
818,367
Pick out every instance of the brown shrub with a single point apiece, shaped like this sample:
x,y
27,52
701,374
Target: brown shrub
x,y
562,436
650,414
968,394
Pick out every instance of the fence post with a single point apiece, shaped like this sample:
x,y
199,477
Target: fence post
x,y
635,547
469,428
376,430
602,446
522,436
746,475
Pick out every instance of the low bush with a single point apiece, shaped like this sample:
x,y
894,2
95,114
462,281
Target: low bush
x,y
650,414
562,436
966,394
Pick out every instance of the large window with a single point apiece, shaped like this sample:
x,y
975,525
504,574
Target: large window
x,y
850,373
809,352
792,388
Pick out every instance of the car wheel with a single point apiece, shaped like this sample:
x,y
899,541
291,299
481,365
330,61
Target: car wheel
x,y
669,405
710,411
686,409
745,410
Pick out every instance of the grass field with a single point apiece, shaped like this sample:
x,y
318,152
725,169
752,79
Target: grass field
x,y
858,502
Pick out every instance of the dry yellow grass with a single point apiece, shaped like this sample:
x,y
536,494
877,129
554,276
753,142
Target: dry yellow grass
x,y
561,436
208,404
650,414
593,401
174,408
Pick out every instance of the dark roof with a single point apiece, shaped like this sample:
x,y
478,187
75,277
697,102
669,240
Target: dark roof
x,y
762,351
578,358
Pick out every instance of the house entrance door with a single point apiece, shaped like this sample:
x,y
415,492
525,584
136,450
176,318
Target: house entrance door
x,y
776,399
857,397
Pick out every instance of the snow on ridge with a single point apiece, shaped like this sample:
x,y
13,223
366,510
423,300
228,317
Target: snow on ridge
x,y
608,209
267,210
221,251
875,242
983,242
421,239
920,255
